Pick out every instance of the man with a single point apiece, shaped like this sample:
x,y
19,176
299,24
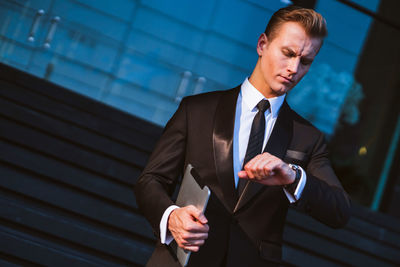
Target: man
x,y
223,134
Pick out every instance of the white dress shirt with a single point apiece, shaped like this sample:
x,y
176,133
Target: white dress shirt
x,y
246,110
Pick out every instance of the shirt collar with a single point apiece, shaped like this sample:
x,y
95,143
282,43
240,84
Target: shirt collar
x,y
251,96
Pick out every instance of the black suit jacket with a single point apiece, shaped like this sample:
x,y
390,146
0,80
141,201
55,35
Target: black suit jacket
x,y
249,232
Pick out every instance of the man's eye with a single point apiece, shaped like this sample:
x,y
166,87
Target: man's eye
x,y
306,62
288,54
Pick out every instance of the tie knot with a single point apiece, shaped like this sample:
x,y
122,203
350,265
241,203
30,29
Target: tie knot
x,y
263,105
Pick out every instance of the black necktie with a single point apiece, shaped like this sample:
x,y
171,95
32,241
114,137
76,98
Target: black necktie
x,y
256,138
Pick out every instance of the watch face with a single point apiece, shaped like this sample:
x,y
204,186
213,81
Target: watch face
x,y
294,167
297,170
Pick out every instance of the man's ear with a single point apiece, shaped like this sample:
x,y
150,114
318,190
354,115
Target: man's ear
x,y
262,43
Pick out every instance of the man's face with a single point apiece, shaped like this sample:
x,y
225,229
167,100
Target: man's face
x,y
284,60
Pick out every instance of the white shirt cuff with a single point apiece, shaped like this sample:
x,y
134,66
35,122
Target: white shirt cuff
x,y
165,235
299,188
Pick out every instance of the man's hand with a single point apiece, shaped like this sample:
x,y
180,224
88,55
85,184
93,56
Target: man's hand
x,y
188,226
268,170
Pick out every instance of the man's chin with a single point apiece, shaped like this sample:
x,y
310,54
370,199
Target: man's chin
x,y
281,91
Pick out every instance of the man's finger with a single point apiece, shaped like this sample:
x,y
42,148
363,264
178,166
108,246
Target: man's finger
x,y
249,170
256,166
191,248
243,175
196,236
196,242
197,227
252,167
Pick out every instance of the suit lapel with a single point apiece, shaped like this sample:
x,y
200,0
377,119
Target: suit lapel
x,y
223,145
277,145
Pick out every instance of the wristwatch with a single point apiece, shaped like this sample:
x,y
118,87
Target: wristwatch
x,y
292,187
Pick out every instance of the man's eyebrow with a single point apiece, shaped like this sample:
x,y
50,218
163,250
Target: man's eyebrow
x,y
290,50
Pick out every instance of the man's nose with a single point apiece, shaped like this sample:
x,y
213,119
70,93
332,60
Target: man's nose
x,y
293,65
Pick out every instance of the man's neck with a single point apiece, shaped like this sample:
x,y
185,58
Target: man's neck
x,y
257,80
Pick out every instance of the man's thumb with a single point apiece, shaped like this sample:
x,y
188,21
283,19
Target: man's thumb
x,y
198,215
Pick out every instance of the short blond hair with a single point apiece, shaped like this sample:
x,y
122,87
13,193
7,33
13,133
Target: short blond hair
x,y
312,22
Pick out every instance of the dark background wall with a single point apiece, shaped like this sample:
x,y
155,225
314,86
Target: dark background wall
x,y
68,165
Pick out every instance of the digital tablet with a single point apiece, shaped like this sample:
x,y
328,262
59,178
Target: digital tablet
x,y
190,193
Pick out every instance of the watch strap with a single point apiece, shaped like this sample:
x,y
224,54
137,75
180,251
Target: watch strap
x,y
292,187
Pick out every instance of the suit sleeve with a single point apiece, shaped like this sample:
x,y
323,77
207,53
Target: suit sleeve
x,y
158,180
323,196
